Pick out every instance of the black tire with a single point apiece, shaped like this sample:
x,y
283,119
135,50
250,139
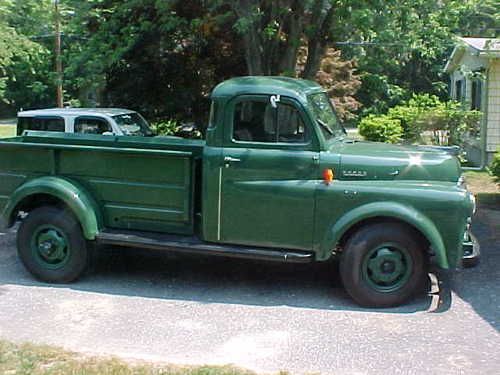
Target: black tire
x,y
51,245
387,251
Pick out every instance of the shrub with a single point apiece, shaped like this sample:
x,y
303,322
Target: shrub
x,y
445,123
381,128
495,165
449,124
409,112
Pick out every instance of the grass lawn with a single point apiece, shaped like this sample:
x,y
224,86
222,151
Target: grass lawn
x,y
45,360
7,131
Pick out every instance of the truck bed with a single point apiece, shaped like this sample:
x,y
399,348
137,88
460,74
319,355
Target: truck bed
x,y
141,183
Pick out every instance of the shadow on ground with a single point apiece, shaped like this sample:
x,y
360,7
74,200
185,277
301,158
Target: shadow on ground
x,y
205,280
230,281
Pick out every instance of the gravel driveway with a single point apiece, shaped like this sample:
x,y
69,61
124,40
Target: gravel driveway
x,y
261,316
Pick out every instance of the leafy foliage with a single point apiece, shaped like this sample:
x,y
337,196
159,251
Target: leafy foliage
x,y
381,128
410,112
165,127
495,166
404,44
24,70
424,116
163,57
338,77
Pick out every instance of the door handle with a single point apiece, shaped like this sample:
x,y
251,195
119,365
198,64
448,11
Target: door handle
x,y
229,159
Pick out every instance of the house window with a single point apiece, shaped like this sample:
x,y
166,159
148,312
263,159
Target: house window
x,y
459,87
476,94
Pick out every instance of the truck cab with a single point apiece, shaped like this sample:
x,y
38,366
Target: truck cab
x,y
276,179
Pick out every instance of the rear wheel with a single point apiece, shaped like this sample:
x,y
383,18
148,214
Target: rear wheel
x,y
382,265
51,245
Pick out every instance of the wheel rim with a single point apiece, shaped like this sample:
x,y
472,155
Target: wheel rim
x,y
387,268
50,247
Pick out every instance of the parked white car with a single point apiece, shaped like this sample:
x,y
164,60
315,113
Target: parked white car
x,y
106,121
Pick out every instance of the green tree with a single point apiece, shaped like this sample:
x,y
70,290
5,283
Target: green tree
x,y
161,58
25,64
404,45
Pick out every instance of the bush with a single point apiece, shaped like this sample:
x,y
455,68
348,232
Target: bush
x,y
410,111
381,129
495,165
442,123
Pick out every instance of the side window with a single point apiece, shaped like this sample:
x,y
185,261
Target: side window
x,y
253,121
53,124
87,125
257,121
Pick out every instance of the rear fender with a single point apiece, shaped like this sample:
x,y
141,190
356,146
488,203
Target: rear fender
x,y
69,192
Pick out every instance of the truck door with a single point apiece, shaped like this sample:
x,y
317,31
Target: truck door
x,y
269,174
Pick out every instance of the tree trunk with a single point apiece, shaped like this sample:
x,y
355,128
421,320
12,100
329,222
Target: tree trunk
x,y
251,38
318,43
295,28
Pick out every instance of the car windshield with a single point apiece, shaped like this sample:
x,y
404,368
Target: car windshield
x,y
326,116
133,124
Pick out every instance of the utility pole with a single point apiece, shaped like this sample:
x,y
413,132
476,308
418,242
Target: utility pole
x,y
59,69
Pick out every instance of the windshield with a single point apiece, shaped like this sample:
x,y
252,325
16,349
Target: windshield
x,y
325,115
133,124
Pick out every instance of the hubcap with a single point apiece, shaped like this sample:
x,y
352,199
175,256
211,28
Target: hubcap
x,y
387,268
50,246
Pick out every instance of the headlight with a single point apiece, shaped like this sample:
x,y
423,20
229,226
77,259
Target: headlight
x,y
461,182
472,199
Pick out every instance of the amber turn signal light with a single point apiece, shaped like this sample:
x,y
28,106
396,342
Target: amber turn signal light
x,y
328,176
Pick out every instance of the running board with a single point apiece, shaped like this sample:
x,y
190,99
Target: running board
x,y
193,245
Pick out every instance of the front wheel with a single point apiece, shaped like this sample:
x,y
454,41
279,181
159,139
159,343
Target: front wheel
x,y
51,245
382,265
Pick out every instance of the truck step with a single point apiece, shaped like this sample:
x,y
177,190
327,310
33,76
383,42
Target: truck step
x,y
193,245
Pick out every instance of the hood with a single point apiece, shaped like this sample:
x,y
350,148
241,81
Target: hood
x,y
382,161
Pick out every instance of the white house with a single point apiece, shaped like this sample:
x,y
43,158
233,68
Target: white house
x,y
474,69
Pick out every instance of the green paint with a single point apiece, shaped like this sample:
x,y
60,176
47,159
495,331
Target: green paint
x,y
387,268
273,196
70,193
50,247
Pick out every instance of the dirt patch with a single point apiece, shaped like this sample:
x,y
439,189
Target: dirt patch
x,y
481,183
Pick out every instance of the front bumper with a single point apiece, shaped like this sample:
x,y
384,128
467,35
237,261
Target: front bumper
x,y
471,249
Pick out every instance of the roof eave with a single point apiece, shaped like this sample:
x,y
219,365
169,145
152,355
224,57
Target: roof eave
x,y
457,53
491,54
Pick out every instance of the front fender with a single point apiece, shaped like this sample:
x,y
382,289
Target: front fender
x,y
74,196
390,210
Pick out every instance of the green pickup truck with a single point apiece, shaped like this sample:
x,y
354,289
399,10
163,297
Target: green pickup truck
x,y
275,179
